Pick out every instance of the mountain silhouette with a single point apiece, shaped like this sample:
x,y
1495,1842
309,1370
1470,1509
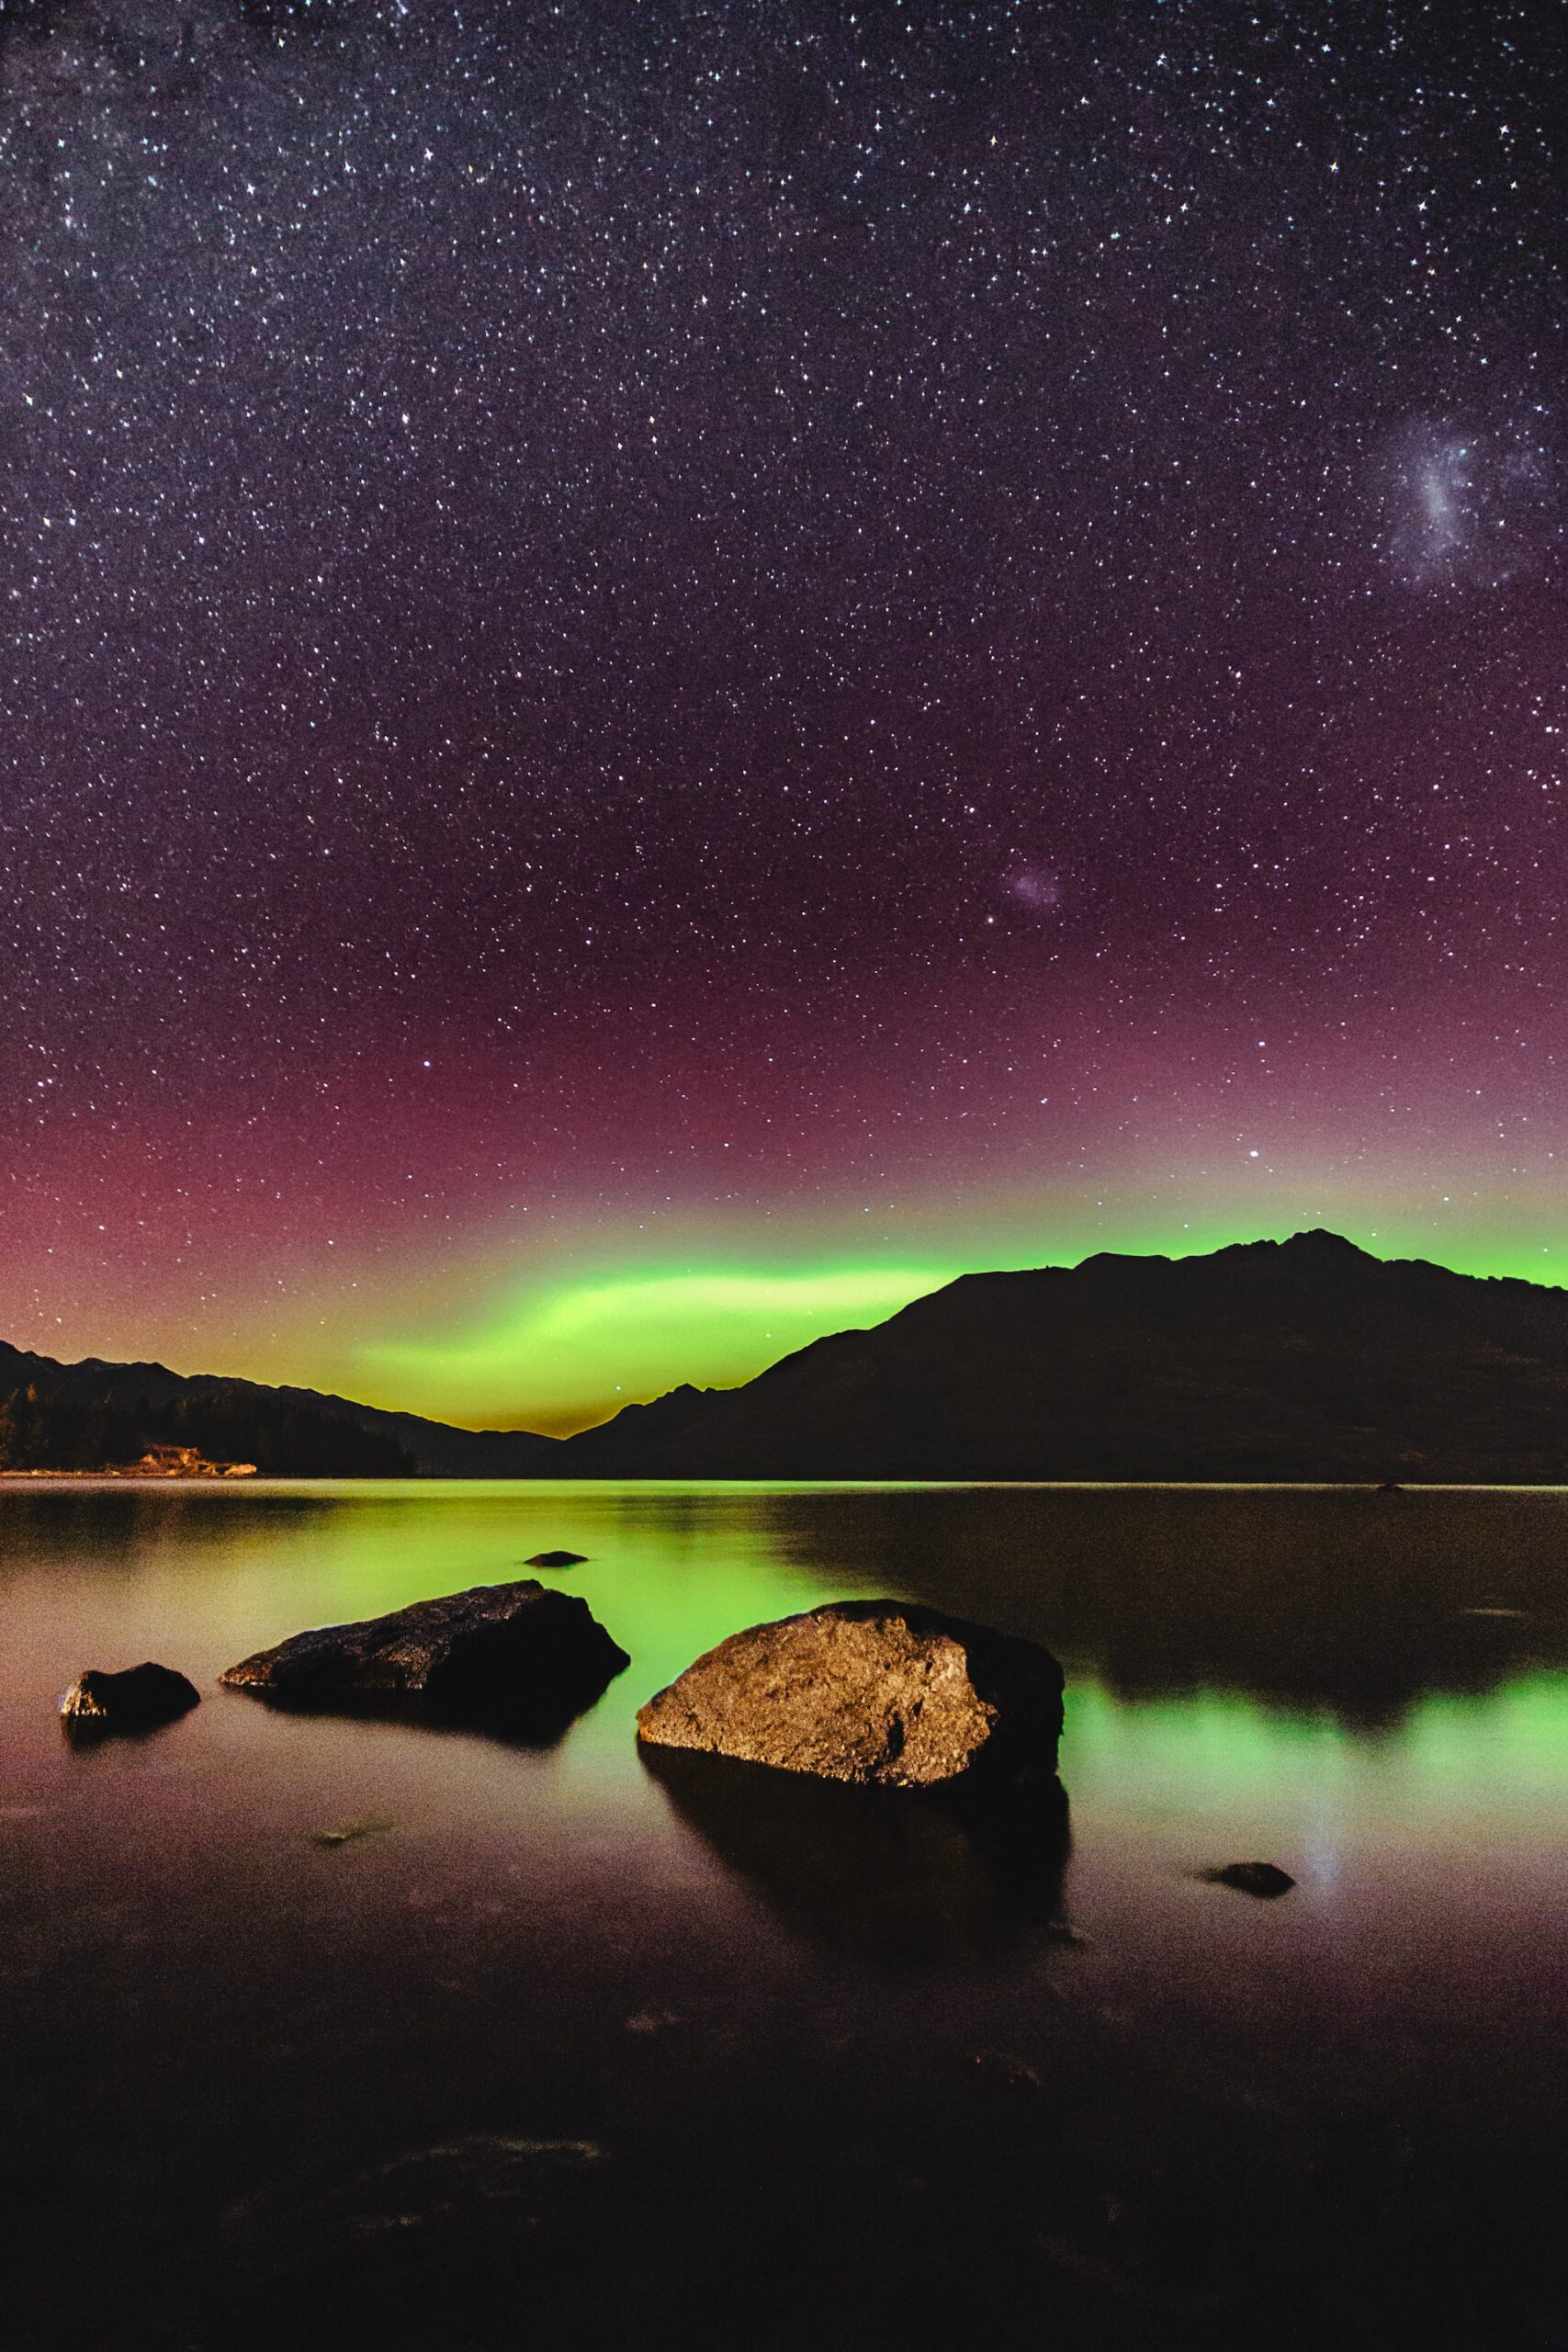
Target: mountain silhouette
x,y
1305,1359
1299,1360
92,1416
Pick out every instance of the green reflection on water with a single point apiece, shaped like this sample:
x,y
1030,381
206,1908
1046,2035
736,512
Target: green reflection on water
x,y
1267,1658
1456,1765
668,1572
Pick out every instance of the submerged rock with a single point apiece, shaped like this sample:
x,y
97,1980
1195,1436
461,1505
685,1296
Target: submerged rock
x,y
1004,2067
502,1652
556,1560
1253,1878
348,1833
139,1699
387,2255
871,1691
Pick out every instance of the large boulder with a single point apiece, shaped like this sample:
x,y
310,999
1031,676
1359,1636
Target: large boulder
x,y
871,1691
139,1699
500,1651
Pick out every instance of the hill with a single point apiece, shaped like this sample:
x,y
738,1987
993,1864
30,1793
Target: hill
x,y
88,1416
1299,1360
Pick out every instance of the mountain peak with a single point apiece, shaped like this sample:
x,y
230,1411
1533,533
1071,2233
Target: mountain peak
x,y
1316,1241
1306,1359
1314,1250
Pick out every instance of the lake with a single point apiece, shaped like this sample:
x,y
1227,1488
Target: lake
x,y
322,2031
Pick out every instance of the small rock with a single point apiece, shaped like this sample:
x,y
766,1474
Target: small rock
x,y
139,1699
556,1560
877,1692
1012,2074
346,1832
1266,1878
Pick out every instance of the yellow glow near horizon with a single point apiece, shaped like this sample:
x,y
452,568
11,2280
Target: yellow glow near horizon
x,y
561,1358
568,1344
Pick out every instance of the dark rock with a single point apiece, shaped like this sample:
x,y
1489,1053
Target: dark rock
x,y
507,1653
387,2255
138,1699
1253,1878
348,1833
1013,2074
871,1691
556,1560
1388,1487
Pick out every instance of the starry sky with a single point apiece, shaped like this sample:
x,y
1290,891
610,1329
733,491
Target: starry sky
x,y
673,669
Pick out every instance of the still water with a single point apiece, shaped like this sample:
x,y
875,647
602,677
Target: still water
x,y
326,2032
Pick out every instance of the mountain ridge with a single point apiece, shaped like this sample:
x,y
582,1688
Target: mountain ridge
x,y
1301,1360
93,1413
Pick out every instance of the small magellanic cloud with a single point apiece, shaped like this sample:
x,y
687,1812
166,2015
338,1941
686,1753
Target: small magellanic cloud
x,y
564,1356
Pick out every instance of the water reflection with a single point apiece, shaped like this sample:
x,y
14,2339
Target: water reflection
x,y
1339,1599
122,1518
847,2090
1331,1598
905,1877
533,1724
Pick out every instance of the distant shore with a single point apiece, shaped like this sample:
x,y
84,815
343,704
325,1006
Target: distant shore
x,y
160,1462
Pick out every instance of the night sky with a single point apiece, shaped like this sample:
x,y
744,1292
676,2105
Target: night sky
x,y
670,670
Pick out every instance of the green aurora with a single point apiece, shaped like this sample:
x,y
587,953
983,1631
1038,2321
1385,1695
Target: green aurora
x,y
569,1346
582,1349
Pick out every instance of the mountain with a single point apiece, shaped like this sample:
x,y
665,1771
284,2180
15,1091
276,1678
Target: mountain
x,y
88,1416
1305,1359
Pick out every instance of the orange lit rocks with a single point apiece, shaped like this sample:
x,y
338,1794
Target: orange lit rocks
x,y
873,1692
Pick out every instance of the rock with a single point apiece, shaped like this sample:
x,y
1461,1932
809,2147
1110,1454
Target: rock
x,y
138,1699
346,2254
1253,1878
514,1652
871,1691
1013,2074
556,1560
348,1833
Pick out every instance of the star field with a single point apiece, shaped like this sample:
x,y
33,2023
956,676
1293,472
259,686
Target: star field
x,y
758,639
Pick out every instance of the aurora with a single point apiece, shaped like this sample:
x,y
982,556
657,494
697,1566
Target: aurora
x,y
566,1349
657,775
560,1358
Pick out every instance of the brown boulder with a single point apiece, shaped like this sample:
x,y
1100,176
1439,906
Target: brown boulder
x,y
877,1692
502,1650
